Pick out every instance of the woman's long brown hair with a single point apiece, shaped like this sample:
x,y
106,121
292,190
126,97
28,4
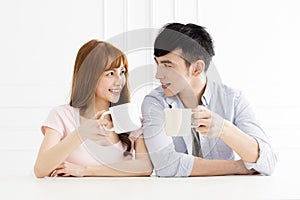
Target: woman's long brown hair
x,y
93,58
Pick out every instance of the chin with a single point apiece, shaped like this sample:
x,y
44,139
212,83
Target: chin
x,y
168,93
114,100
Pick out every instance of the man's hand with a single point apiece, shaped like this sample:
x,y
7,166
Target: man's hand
x,y
210,124
242,170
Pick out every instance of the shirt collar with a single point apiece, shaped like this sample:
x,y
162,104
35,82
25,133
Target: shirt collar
x,y
207,94
175,102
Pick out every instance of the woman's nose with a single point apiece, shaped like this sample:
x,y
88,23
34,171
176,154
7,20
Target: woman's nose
x,y
118,80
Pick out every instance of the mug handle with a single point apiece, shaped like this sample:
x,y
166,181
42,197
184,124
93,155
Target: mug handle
x,y
102,117
194,126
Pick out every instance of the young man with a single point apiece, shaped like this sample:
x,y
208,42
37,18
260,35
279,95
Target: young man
x,y
225,120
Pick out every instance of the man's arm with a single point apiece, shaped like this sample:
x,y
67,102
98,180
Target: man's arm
x,y
244,135
166,161
204,167
244,145
246,122
212,125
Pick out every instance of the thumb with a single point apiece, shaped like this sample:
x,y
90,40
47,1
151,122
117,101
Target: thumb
x,y
98,114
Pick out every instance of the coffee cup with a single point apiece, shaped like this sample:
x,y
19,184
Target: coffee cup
x,y
125,118
178,121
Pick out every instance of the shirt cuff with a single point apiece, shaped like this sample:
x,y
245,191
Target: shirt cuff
x,y
186,166
266,160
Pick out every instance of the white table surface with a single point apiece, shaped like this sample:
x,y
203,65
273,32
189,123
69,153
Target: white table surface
x,y
218,187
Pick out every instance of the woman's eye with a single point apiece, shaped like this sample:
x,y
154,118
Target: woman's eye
x,y
123,72
110,73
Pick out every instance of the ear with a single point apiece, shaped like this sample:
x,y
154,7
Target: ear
x,y
198,67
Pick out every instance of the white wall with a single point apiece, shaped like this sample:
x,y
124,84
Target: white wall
x,y
255,42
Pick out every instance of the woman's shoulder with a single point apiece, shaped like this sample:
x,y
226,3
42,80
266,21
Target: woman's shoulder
x,y
64,110
60,118
64,114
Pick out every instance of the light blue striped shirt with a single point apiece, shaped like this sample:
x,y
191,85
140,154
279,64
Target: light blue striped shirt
x,y
172,156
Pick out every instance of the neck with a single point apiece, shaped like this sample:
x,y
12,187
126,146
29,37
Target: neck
x,y
191,96
188,98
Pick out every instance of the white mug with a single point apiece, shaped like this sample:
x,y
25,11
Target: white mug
x,y
178,121
125,118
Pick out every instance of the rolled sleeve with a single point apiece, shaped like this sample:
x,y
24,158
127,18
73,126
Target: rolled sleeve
x,y
266,161
246,121
166,161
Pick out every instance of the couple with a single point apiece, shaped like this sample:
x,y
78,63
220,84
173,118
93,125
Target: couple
x,y
225,121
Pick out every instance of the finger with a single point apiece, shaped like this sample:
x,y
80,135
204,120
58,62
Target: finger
x,y
60,166
202,130
52,174
201,115
202,122
98,114
65,175
59,172
201,112
199,108
142,119
105,124
66,162
102,122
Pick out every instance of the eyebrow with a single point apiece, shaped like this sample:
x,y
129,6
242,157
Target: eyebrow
x,y
115,69
164,61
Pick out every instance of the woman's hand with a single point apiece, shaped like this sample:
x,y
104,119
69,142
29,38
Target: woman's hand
x,y
93,128
103,122
69,169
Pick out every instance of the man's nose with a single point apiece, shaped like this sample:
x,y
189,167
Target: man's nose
x,y
159,72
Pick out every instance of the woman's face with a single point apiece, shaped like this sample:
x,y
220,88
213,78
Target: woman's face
x,y
110,84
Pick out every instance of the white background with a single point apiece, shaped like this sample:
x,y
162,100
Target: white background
x,y
256,45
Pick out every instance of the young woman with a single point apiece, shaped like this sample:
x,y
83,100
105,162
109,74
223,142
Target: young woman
x,y
75,143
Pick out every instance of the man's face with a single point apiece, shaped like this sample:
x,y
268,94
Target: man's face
x,y
172,72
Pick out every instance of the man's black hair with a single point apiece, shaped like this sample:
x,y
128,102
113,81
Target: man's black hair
x,y
194,41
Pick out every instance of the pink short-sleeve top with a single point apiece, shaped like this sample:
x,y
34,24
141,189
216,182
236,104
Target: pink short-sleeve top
x,y
65,119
